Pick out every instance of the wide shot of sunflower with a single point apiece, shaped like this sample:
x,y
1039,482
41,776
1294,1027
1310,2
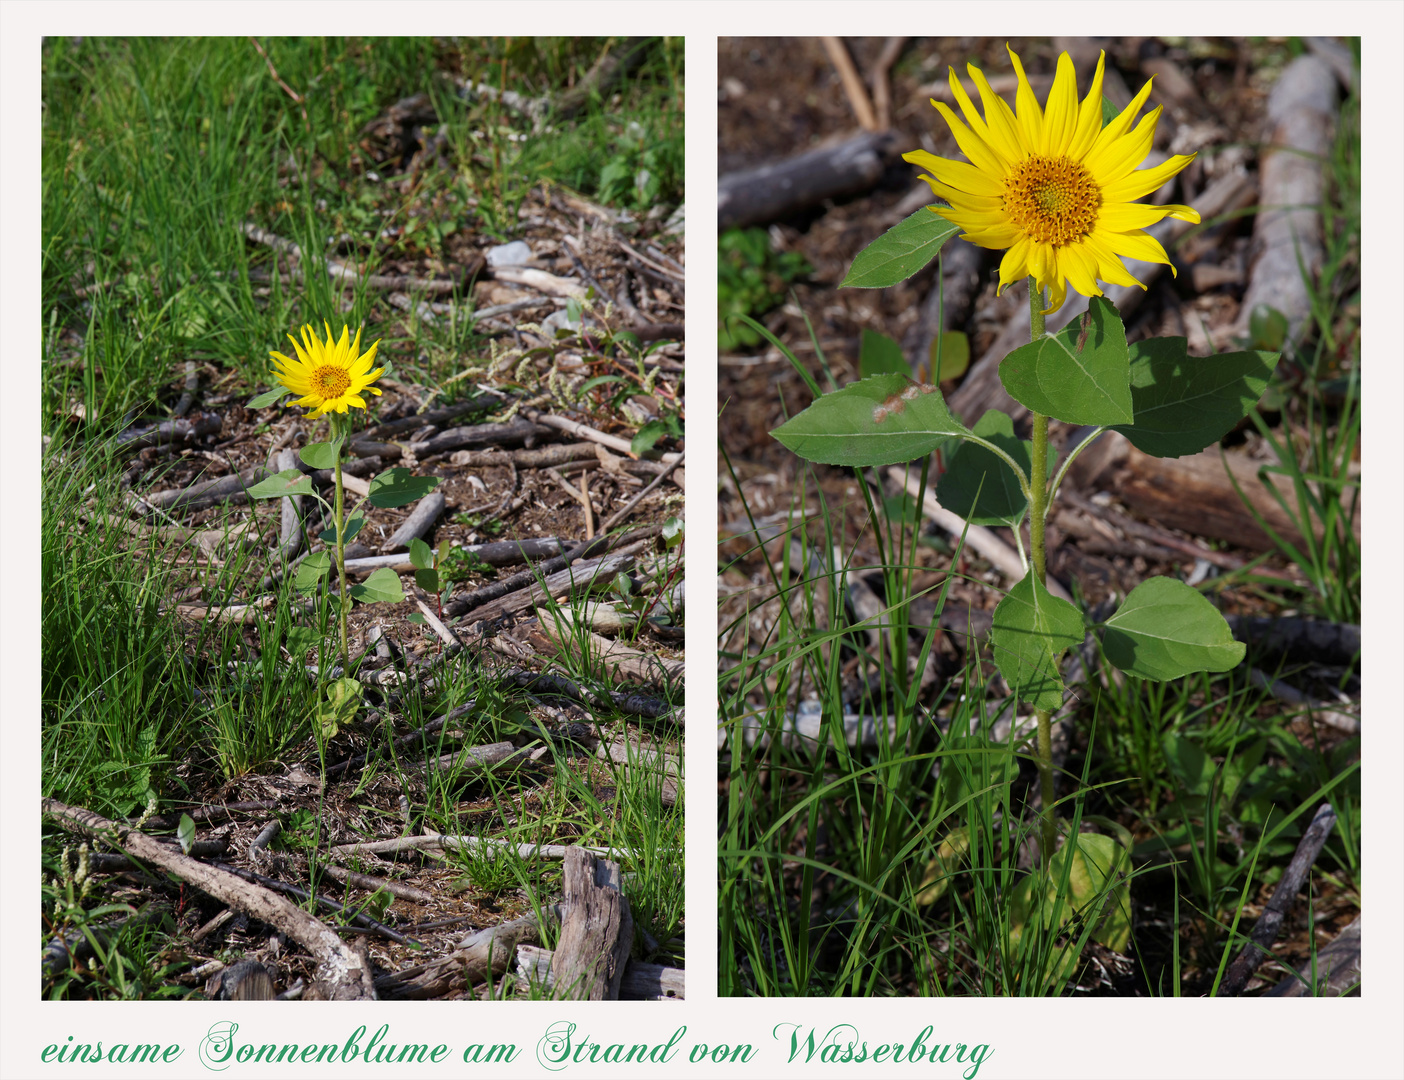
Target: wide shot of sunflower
x,y
1052,185
328,376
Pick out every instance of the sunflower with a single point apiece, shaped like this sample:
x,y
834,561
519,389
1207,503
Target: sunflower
x,y
1053,186
330,377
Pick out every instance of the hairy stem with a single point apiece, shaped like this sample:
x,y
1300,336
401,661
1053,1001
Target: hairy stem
x,y
1038,511
339,517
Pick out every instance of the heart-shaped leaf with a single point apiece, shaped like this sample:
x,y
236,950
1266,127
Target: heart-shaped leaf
x,y
1030,631
857,425
975,470
288,482
311,571
1080,375
382,587
397,487
1184,403
1164,629
322,455
900,252
354,525
421,554
342,703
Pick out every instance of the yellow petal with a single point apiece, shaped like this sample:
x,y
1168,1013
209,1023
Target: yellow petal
x,y
958,174
970,144
999,117
1143,182
1109,268
1123,217
1122,122
978,126
1015,264
1137,245
1080,269
1113,161
1060,114
1030,116
1089,118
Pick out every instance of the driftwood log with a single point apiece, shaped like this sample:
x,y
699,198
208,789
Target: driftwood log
x,y
1287,233
615,659
776,191
1270,921
420,521
641,982
486,954
597,930
342,975
1197,493
1337,969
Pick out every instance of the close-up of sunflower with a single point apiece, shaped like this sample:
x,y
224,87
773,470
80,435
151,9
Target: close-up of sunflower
x,y
1052,185
329,376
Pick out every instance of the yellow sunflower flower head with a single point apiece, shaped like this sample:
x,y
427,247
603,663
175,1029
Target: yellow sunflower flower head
x,y
1052,185
329,376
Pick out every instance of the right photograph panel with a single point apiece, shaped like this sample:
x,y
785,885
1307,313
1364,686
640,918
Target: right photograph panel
x,y
1039,566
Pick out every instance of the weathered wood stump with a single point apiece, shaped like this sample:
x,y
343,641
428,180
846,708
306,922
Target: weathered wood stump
x,y
597,930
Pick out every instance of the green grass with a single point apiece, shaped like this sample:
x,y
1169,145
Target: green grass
x,y
850,871
155,154
1317,392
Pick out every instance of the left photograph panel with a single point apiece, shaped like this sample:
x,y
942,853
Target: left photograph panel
x,y
363,518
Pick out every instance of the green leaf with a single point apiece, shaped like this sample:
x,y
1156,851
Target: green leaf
x,y
185,833
311,571
880,355
396,487
1031,630
973,469
268,397
1191,766
340,707
1096,869
419,618
949,355
842,428
421,554
1184,403
598,380
1267,327
1081,375
287,482
1109,111
900,252
938,874
647,435
382,587
354,525
428,580
322,455
1165,629
299,640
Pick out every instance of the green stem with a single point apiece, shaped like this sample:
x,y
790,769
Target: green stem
x,y
1038,512
339,518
